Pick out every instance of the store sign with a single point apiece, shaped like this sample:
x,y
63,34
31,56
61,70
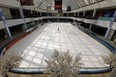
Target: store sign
x,y
68,8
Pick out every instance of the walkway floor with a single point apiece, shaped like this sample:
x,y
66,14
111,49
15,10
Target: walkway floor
x,y
41,43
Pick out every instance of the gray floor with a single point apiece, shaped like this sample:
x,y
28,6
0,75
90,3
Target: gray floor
x,y
40,45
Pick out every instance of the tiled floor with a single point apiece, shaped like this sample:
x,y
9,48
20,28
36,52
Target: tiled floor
x,y
41,43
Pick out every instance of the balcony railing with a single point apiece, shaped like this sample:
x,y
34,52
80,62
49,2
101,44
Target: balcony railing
x,y
105,18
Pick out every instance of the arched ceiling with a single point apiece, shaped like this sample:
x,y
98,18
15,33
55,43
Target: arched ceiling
x,y
75,4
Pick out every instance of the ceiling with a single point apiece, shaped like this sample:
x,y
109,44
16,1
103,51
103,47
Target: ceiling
x,y
75,4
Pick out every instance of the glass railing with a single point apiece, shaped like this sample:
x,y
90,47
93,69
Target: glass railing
x,y
3,44
106,40
99,36
90,17
105,18
87,70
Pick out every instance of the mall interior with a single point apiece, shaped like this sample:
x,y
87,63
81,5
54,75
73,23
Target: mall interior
x,y
35,28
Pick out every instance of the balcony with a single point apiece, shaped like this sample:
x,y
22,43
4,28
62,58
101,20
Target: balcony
x,y
91,20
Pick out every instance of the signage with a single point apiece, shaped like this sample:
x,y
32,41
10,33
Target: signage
x,y
58,4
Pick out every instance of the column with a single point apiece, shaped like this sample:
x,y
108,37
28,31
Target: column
x,y
67,17
75,14
93,15
83,13
22,15
48,17
78,14
111,24
33,21
58,17
5,24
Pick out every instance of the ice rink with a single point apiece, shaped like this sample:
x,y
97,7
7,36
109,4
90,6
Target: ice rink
x,y
40,44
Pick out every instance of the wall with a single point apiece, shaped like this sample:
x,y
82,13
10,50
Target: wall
x,y
6,12
10,3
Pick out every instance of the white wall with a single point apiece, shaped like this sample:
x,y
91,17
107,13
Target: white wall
x,y
104,23
114,26
10,3
14,22
80,19
6,12
11,23
28,19
90,21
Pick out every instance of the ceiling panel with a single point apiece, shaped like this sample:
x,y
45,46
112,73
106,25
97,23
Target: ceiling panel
x,y
75,4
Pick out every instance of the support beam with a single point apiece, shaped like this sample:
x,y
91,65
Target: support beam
x,y
22,15
74,14
93,15
83,13
78,13
67,17
5,24
111,24
48,17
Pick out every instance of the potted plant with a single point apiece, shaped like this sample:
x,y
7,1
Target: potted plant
x,y
63,65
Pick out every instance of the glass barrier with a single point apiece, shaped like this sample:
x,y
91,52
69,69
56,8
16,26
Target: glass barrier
x,y
99,36
87,70
105,18
106,40
2,45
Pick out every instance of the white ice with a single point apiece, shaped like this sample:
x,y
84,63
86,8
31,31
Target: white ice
x,y
40,44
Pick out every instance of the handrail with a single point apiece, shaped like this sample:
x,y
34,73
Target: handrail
x,y
110,47
92,34
9,40
42,70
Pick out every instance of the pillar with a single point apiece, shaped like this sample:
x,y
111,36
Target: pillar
x,y
22,15
93,15
110,25
5,24
83,13
67,17
78,13
48,17
75,14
